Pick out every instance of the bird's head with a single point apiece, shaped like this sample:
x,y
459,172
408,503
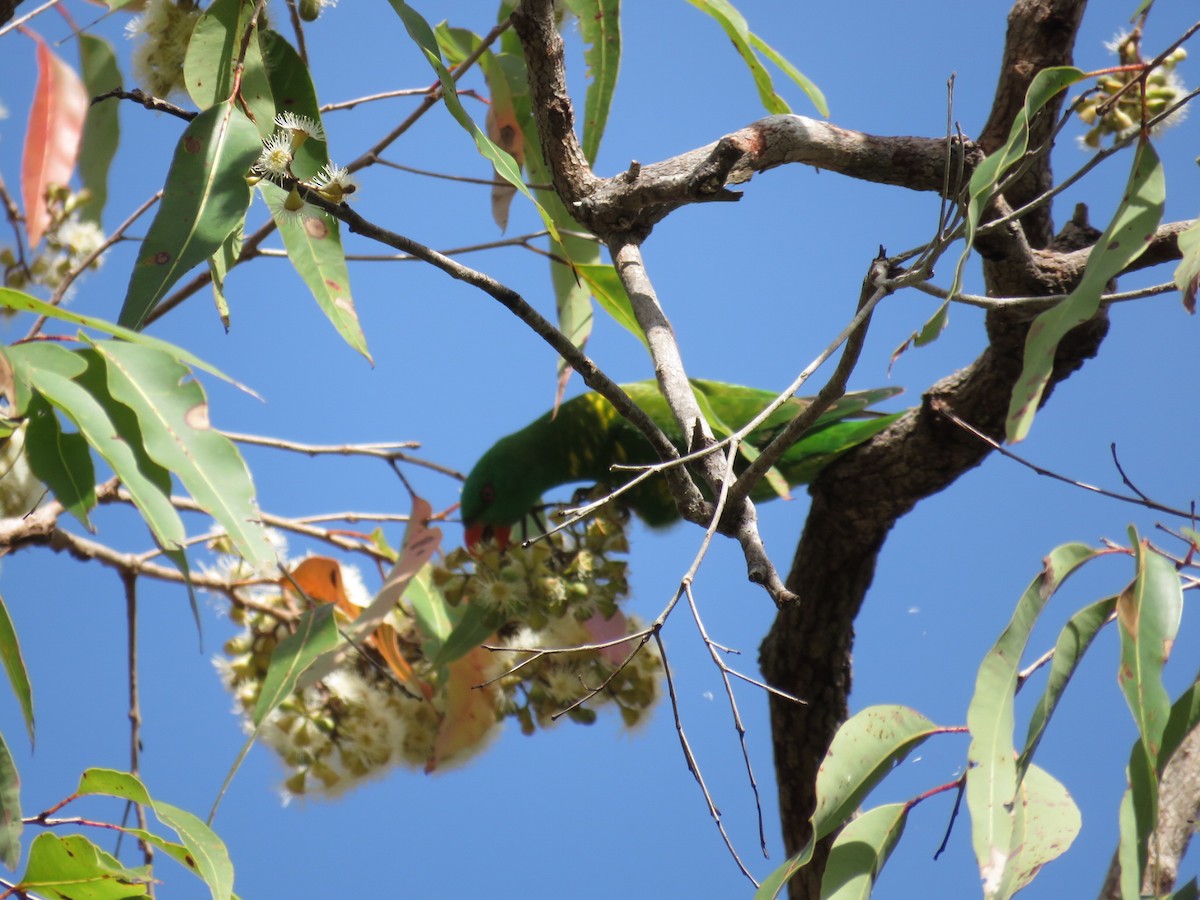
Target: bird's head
x,y
498,493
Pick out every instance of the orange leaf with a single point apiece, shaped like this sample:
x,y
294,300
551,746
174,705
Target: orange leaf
x,y
320,578
60,105
470,710
387,643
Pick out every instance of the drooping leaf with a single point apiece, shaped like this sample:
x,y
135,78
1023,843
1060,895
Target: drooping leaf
x,y
605,285
56,117
17,300
1184,717
73,868
84,399
600,27
219,265
102,129
992,778
61,460
860,851
1187,273
212,55
475,625
1050,824
745,42
203,853
868,746
1073,641
293,91
10,809
173,414
1148,615
204,200
314,247
418,29
1123,241
14,667
1046,85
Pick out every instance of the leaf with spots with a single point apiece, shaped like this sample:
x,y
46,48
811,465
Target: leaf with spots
x,y
1148,615
1125,239
52,136
202,853
73,868
205,199
172,411
315,248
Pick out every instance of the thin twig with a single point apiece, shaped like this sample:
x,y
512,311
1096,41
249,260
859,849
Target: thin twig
x,y
129,580
18,22
940,406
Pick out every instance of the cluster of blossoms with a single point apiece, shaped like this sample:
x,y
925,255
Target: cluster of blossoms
x,y
370,714
162,31
1121,117
274,164
69,241
561,592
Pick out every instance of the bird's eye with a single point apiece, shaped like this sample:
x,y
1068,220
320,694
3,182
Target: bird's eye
x,y
488,494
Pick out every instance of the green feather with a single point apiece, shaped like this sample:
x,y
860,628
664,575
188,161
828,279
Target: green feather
x,y
588,436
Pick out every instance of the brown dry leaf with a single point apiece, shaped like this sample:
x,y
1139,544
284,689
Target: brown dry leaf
x,y
470,710
505,132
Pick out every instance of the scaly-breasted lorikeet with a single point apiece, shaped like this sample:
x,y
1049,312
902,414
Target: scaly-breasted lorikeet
x,y
588,436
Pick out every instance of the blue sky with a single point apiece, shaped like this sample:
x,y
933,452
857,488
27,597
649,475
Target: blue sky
x,y
754,290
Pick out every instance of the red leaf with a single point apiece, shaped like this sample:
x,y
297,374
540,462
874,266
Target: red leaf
x,y
60,105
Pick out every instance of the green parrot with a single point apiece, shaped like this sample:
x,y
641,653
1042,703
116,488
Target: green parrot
x,y
588,436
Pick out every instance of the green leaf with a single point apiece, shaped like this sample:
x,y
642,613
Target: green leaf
x,y
863,751
202,852
1046,85
600,27
204,199
506,167
292,87
102,128
734,25
315,634
73,868
173,415
212,55
860,851
605,284
10,809
61,460
1187,273
14,666
805,84
992,777
474,627
17,300
219,265
1128,856
84,399
1125,239
1148,615
429,609
1050,824
1073,641
315,249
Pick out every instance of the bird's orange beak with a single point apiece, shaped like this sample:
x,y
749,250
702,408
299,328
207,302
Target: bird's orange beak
x,y
476,533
